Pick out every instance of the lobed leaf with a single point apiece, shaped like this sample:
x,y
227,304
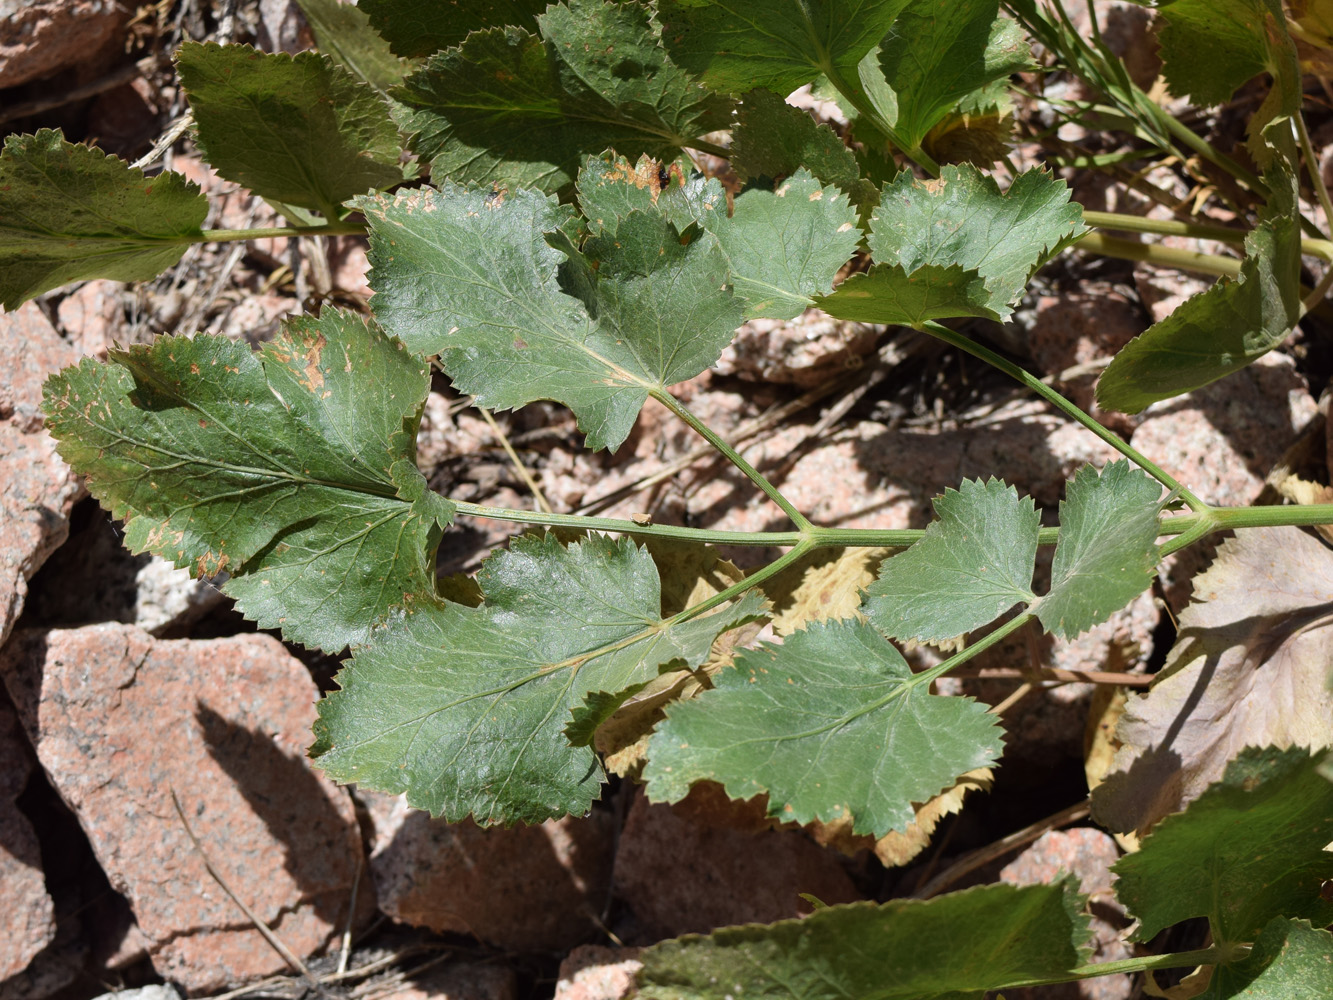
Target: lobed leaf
x,y
464,708
1249,667
70,212
1210,47
974,564
1107,552
1249,849
955,946
421,27
610,187
519,109
828,724
936,55
298,129
888,294
1290,961
470,276
737,45
785,246
291,468
929,237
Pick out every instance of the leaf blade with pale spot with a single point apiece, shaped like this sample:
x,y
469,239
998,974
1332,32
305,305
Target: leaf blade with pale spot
x,y
292,468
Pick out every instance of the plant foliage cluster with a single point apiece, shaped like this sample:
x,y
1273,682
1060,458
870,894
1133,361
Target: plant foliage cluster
x,y
527,175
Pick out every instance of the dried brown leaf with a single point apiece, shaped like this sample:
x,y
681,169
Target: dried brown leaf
x,y
1249,668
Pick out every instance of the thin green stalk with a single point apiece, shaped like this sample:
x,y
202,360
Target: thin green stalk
x,y
240,235
1319,292
580,521
1323,249
1185,260
1064,406
961,657
754,579
1312,168
1296,515
734,457
1175,960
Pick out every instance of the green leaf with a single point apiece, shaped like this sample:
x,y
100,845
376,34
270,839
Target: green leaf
x,y
960,945
962,218
773,139
470,276
298,129
1290,961
1249,849
737,45
70,212
291,468
1223,329
828,724
421,27
463,708
937,54
343,32
974,564
610,187
785,246
1210,47
511,108
888,294
1107,552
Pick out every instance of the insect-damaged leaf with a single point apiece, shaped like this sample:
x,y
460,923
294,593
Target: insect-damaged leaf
x,y
465,709
782,247
514,108
947,232
953,947
298,129
291,468
1249,667
974,564
1247,850
70,212
827,724
470,276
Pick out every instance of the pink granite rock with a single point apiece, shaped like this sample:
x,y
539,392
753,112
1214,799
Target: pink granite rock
x,y
27,917
121,720
1089,854
682,875
40,37
805,351
37,489
595,972
525,888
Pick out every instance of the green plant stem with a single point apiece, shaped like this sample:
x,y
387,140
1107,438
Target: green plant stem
x,y
1064,406
1318,293
1153,253
734,457
1312,168
1175,960
982,644
754,579
1323,249
1185,528
240,235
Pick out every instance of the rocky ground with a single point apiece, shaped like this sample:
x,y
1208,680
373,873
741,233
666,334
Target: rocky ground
x,y
157,812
